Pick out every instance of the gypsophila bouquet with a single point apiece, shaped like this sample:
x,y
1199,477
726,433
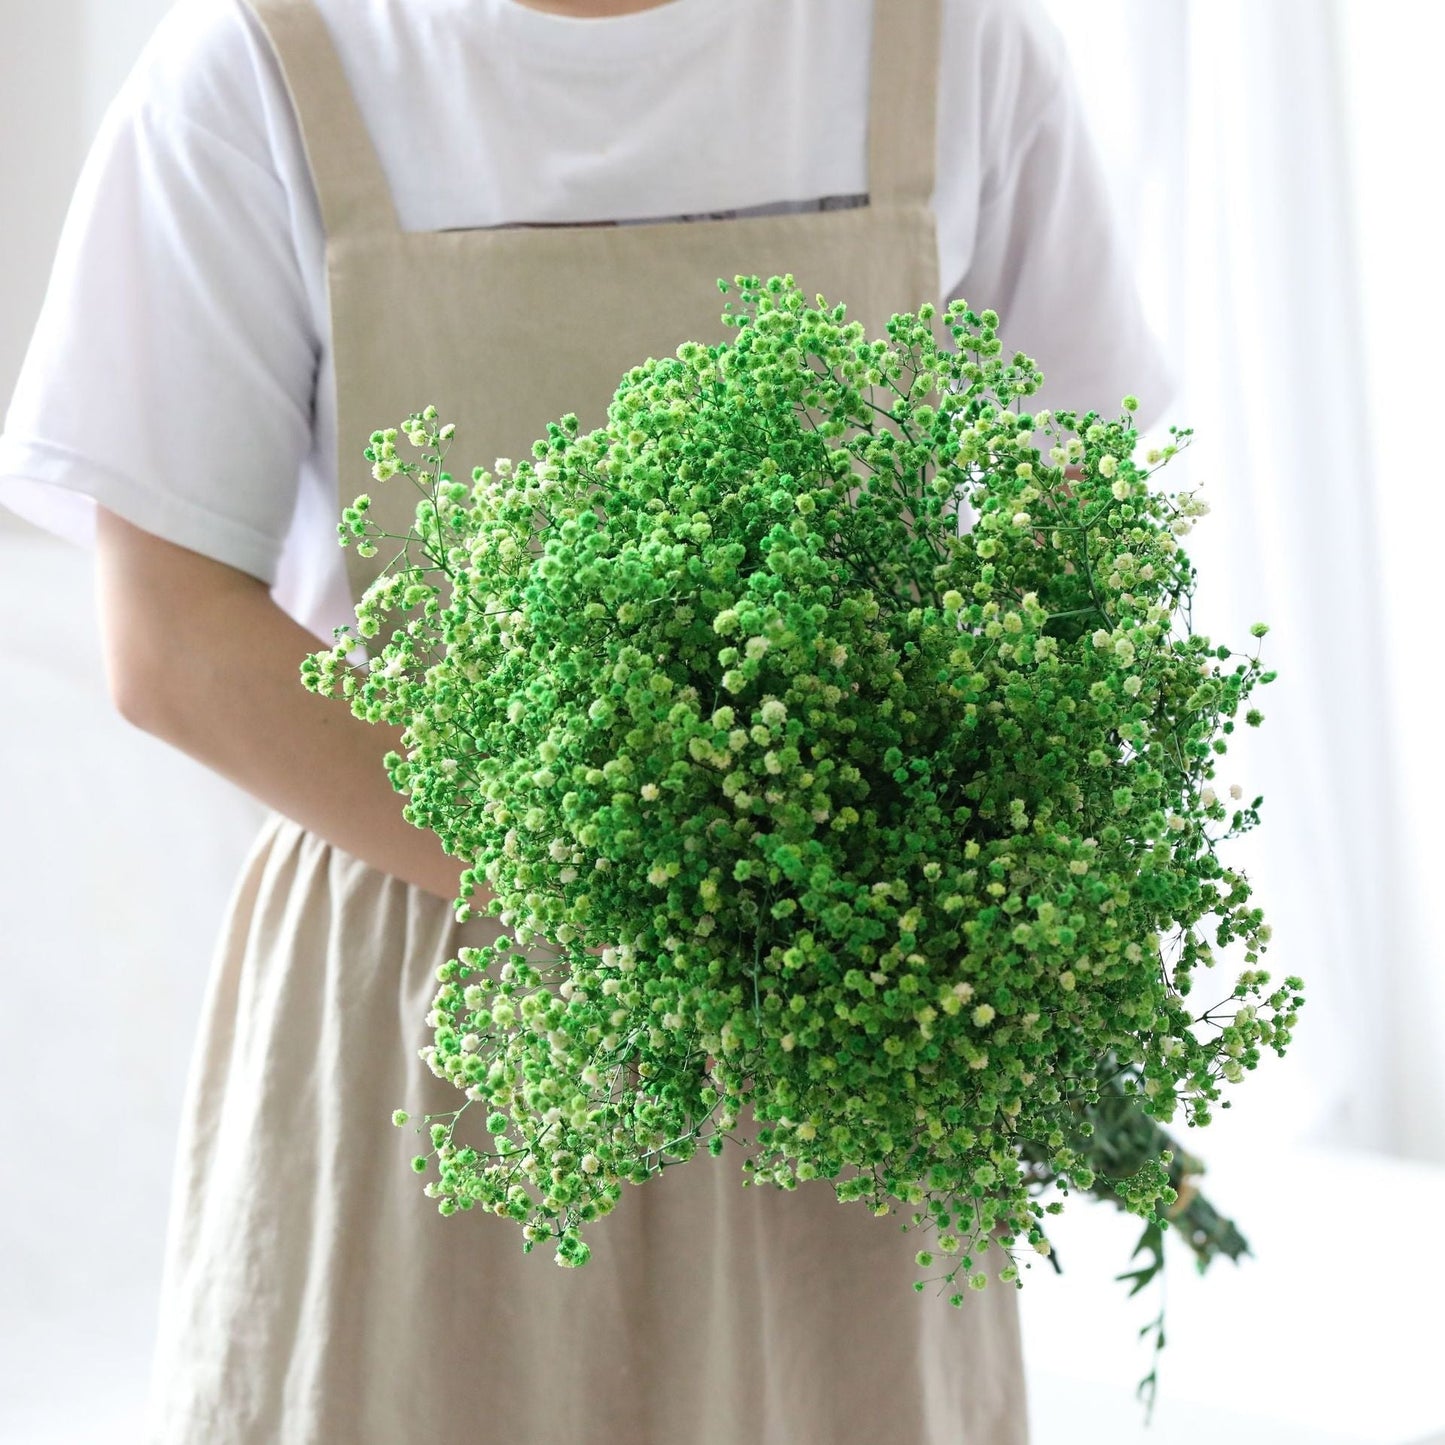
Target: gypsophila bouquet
x,y
907,838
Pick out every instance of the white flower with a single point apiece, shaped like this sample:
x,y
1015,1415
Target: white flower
x,y
1176,822
649,792
1108,465
773,711
1235,791
1120,489
1021,519
1206,796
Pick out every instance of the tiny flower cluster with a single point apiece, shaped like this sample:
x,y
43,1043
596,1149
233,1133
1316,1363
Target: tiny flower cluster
x,y
791,794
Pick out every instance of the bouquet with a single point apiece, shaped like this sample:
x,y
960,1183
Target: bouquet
x,y
905,836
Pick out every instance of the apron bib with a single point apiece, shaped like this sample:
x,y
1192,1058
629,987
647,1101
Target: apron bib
x,y
311,1294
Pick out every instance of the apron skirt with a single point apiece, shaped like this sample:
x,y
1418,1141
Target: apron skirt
x,y
313,1295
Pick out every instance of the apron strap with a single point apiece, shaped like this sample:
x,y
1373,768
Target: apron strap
x,y
902,102
350,183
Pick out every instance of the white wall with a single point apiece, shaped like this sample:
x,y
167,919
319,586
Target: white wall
x,y
42,136
1396,108
62,62
110,894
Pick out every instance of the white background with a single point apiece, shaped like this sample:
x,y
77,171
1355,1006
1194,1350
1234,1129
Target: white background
x,y
1273,168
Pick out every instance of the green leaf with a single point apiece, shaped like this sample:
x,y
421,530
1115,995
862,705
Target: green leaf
x,y
1140,1277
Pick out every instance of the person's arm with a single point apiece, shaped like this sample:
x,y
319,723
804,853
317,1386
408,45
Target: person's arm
x,y
197,654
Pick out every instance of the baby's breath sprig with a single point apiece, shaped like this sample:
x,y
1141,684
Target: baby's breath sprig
x,y
791,795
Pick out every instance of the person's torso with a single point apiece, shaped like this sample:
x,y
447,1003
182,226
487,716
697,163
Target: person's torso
x,y
484,113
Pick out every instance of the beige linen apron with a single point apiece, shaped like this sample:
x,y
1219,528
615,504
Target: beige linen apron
x,y
311,1292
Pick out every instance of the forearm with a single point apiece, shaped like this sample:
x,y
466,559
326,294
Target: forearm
x,y
230,695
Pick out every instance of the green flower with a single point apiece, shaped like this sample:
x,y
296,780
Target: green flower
x,y
773,778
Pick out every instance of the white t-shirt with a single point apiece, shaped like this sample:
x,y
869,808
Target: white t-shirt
x,y
185,326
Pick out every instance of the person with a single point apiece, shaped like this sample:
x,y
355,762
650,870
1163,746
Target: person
x,y
302,220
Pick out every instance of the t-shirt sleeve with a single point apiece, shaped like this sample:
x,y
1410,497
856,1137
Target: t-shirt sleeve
x,y
171,373
1048,254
